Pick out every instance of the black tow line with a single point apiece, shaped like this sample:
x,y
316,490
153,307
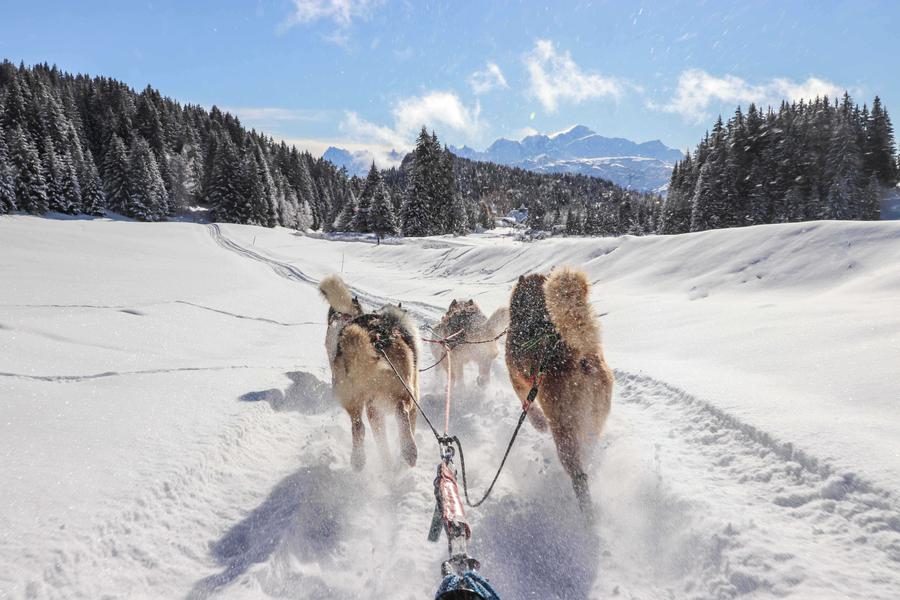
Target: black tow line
x,y
448,440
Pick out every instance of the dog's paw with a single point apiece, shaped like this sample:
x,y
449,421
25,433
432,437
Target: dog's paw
x,y
483,381
410,454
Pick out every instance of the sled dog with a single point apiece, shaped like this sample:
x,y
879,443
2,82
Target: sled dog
x,y
465,319
361,378
554,341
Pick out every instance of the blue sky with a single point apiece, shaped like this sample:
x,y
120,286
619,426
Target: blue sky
x,y
368,73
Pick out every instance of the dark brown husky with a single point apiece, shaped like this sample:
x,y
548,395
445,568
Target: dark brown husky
x,y
554,340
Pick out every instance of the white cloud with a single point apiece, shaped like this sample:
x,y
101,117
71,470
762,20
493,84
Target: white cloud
x,y
437,110
363,153
443,111
697,91
491,78
340,12
555,77
524,132
267,114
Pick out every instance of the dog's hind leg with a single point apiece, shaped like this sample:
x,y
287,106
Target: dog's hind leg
x,y
405,426
568,447
358,454
484,371
376,421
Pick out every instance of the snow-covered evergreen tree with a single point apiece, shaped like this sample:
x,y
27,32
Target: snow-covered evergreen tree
x,y
147,199
457,218
31,187
381,213
7,180
844,167
344,221
93,200
115,176
362,222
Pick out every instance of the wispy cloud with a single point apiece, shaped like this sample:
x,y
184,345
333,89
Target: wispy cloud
x,y
269,114
491,78
341,13
555,77
441,110
697,91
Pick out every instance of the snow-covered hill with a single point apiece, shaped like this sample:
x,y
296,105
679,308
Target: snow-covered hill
x,y
168,430
579,149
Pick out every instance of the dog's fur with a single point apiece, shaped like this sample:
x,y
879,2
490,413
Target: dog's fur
x,y
465,316
554,331
361,378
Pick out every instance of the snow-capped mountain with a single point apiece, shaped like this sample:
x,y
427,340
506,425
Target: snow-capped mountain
x,y
579,149
358,162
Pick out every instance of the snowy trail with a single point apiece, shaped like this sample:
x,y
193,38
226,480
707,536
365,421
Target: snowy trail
x,y
169,432
291,272
737,543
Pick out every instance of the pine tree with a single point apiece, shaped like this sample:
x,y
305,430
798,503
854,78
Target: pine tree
x,y
31,187
70,186
703,204
844,167
574,225
879,145
415,217
362,222
485,218
344,221
381,213
93,200
147,200
420,213
870,206
457,219
229,205
7,181
115,176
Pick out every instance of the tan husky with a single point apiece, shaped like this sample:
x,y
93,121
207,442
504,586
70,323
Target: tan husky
x,y
361,377
466,323
554,340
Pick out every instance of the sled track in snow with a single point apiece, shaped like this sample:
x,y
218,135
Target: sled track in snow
x,y
769,500
774,493
292,273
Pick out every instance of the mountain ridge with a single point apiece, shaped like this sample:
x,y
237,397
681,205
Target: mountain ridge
x,y
579,149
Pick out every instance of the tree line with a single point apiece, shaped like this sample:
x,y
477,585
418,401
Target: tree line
x,y
79,144
805,161
76,144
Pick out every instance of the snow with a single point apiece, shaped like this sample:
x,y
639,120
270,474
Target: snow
x,y
168,432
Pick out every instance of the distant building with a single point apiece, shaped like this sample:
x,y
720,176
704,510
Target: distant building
x,y
514,218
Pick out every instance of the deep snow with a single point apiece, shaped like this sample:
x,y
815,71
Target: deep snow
x,y
167,431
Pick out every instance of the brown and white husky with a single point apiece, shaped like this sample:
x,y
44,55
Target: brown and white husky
x,y
466,323
554,340
361,378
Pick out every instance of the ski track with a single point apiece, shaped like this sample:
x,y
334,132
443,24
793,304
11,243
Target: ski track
x,y
290,272
105,374
785,498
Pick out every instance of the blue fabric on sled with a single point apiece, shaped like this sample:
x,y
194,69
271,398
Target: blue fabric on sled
x,y
471,581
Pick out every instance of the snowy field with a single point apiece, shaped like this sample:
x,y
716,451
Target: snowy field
x,y
168,431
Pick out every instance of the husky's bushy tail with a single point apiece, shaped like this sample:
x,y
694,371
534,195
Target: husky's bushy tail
x,y
337,294
497,322
566,293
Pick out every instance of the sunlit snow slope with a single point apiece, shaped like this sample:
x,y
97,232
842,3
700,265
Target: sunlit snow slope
x,y
168,431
